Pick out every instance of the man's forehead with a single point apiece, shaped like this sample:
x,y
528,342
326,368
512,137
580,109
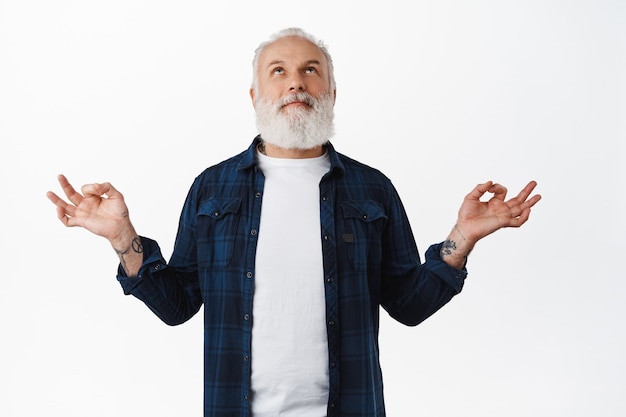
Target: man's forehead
x,y
292,47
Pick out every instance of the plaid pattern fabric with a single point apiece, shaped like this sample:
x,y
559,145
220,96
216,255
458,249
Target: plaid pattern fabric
x,y
370,260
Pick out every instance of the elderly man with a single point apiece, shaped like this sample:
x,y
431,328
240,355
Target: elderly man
x,y
292,247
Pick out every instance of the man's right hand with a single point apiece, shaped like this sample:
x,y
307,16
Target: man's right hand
x,y
101,210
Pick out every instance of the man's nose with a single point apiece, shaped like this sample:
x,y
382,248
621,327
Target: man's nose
x,y
296,83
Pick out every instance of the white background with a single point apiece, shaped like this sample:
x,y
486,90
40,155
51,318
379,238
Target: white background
x,y
439,95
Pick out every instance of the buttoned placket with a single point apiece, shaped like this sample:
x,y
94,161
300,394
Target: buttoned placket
x,y
330,287
248,289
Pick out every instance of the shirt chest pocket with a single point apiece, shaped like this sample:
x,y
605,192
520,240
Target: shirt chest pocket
x,y
218,220
362,236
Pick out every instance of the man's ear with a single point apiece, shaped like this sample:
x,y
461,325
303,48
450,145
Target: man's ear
x,y
252,96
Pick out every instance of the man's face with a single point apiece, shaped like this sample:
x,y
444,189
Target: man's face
x,y
294,107
291,65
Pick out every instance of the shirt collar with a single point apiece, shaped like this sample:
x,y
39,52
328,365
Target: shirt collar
x,y
249,159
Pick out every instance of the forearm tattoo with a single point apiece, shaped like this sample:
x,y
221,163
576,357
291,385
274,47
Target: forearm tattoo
x,y
447,247
135,246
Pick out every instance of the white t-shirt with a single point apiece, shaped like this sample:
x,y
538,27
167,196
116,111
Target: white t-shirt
x,y
289,340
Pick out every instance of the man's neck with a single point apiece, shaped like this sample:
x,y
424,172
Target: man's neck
x,y
274,151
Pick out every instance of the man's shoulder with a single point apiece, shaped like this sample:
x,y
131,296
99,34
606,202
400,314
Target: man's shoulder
x,y
354,168
230,166
228,163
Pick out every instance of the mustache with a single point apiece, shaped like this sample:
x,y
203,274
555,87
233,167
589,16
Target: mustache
x,y
298,97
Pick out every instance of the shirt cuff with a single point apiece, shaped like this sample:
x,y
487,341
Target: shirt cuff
x,y
453,276
152,261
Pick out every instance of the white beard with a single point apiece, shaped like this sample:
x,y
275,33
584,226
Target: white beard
x,y
301,127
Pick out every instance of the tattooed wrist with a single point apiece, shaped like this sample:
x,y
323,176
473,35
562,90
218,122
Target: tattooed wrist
x,y
447,247
135,245
456,227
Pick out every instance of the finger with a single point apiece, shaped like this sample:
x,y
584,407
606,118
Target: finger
x,y
520,214
499,191
59,202
99,190
521,201
53,197
67,218
479,191
523,195
521,219
72,195
533,200
62,215
91,190
108,189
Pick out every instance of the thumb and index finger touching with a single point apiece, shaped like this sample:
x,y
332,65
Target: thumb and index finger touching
x,y
498,190
88,190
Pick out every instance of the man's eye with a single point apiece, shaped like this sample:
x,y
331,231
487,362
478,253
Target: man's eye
x,y
310,70
277,71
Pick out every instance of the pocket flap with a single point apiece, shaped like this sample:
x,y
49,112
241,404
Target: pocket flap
x,y
219,207
366,211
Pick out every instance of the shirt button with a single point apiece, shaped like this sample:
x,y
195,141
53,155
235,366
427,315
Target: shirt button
x,y
246,317
325,237
248,274
331,323
330,280
365,216
245,358
253,232
257,194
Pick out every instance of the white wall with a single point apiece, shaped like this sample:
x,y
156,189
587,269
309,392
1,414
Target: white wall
x,y
439,95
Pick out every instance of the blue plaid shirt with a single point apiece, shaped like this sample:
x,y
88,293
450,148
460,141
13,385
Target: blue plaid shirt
x,y
370,260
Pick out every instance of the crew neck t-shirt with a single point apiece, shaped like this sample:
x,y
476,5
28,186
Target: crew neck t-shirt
x,y
289,340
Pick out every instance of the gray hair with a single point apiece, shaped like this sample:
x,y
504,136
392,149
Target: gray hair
x,y
285,33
